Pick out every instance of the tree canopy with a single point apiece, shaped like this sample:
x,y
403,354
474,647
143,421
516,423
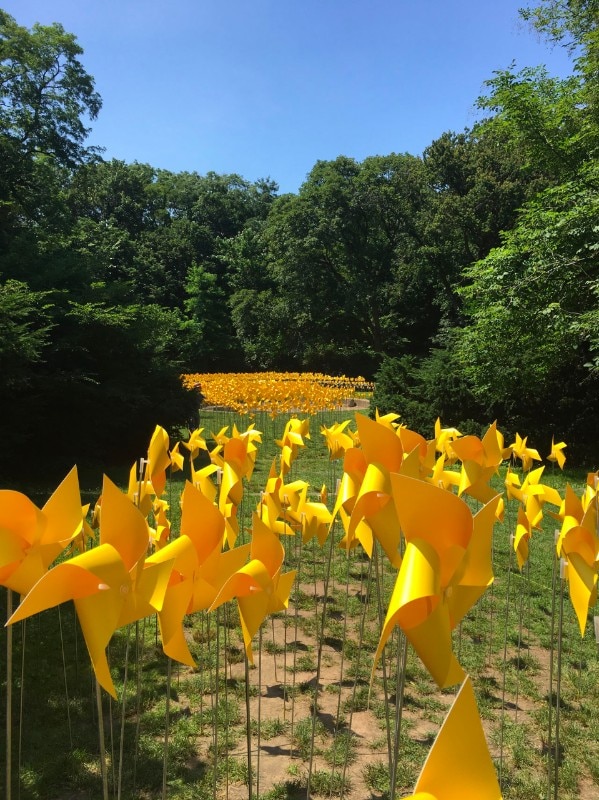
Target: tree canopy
x,y
465,278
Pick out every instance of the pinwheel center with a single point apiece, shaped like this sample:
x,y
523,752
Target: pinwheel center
x,y
124,589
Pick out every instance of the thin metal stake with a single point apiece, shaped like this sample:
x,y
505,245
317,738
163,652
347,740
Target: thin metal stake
x,y
563,567
358,664
248,726
9,643
379,590
123,714
101,740
551,647
166,725
22,702
507,612
64,672
319,660
402,655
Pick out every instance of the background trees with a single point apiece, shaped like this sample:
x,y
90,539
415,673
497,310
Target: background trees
x,y
529,350
467,277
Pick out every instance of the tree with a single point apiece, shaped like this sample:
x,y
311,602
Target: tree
x,y
566,22
531,349
45,93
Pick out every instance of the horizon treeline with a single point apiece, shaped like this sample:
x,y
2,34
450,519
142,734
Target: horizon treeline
x,y
464,280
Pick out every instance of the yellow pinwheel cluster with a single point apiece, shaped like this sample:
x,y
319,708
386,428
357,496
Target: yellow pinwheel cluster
x,y
275,393
399,490
135,569
394,484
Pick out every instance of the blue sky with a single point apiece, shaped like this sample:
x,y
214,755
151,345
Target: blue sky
x,y
268,87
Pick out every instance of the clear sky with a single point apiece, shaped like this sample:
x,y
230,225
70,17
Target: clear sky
x,y
268,87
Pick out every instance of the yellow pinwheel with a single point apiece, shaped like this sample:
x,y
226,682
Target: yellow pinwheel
x,y
354,469
237,462
110,584
259,586
459,765
446,567
160,534
443,439
196,442
526,454
30,538
140,490
480,461
522,537
374,514
158,460
578,543
557,453
293,438
444,478
388,420
312,518
337,441
176,456
199,569
380,444
535,494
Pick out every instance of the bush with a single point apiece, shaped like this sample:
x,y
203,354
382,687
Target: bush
x,y
422,390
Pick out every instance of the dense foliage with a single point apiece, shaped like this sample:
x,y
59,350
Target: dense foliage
x,y
467,277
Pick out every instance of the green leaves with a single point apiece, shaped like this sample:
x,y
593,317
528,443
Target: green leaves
x,y
44,90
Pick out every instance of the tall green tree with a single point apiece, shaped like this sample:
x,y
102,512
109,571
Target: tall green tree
x,y
45,92
530,348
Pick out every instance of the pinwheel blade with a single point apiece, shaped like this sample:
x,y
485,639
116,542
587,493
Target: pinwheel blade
x,y
459,766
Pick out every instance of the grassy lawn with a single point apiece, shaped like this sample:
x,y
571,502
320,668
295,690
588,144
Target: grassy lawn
x,y
305,710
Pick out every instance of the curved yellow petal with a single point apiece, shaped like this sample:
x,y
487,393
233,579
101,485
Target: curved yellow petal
x,y
459,766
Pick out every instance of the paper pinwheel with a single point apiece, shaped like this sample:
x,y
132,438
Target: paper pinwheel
x,y
337,441
579,544
557,453
459,765
199,569
480,460
237,462
196,442
443,439
446,567
110,584
158,460
292,440
31,539
526,454
259,586
176,456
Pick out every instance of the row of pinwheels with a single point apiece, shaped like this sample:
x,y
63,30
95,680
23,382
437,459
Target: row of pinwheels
x,y
397,488
137,569
408,494
276,393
